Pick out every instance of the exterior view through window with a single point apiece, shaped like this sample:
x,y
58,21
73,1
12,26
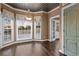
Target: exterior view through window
x,y
37,27
24,29
7,24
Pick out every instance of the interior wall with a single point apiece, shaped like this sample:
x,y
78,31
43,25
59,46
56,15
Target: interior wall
x,y
0,7
55,12
45,34
45,26
44,20
52,14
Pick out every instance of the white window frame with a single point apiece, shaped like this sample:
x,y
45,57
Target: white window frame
x,y
12,33
35,38
17,39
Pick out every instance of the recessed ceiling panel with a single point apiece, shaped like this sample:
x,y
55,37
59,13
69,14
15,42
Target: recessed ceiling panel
x,y
34,6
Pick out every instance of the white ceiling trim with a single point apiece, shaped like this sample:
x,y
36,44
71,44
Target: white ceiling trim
x,y
15,9
54,9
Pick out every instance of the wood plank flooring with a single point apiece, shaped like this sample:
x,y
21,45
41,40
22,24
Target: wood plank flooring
x,y
45,48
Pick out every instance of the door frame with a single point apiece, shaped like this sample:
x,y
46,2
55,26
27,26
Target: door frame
x,y
62,23
50,24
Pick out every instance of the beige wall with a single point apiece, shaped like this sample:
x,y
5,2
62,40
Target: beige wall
x,y
45,26
52,14
56,11
45,20
0,7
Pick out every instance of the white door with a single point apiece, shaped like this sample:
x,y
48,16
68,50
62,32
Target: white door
x,y
54,28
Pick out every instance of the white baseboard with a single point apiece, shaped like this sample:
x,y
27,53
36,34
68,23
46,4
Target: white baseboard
x,y
61,51
40,40
11,43
19,41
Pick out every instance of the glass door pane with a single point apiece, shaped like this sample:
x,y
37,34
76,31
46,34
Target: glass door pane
x,y
7,21
54,28
37,27
23,29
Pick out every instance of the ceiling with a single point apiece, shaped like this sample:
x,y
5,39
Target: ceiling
x,y
34,7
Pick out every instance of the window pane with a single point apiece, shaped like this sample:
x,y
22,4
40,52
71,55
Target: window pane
x,y
37,27
7,19
24,28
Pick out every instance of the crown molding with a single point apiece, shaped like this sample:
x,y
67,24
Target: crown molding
x,y
16,9
54,9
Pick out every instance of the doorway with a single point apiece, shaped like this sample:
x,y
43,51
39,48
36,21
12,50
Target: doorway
x,y
54,28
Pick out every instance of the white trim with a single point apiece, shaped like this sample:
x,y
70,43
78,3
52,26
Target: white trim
x,y
62,27
41,40
15,9
55,16
11,43
22,41
50,25
12,38
8,6
30,12
30,38
54,9
62,22
61,51
39,12
69,5
35,17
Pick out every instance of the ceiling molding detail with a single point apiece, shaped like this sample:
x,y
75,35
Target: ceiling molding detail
x,y
16,9
34,7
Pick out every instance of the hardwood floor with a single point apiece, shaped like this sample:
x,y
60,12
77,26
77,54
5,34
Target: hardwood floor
x,y
32,49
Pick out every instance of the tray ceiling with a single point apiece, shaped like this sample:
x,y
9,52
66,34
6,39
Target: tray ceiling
x,y
34,7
